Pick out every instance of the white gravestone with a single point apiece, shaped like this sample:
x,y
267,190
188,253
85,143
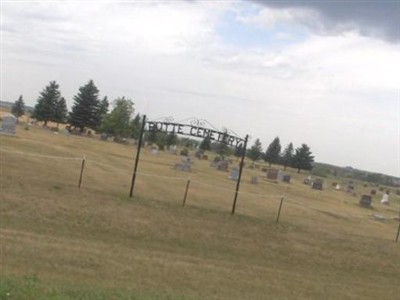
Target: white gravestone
x,y
385,199
8,125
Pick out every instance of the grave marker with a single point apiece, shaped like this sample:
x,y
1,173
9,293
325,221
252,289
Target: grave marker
x,y
254,180
286,178
366,201
8,125
272,174
317,184
234,175
385,199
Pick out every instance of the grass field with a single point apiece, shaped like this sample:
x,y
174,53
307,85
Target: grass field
x,y
61,242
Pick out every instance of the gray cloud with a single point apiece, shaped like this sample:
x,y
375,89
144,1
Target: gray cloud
x,y
371,18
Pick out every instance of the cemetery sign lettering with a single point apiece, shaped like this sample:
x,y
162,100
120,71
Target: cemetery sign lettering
x,y
196,131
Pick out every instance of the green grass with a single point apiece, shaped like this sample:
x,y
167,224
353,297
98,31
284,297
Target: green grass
x,y
61,242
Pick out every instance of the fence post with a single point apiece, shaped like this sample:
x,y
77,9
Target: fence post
x,y
279,211
398,230
137,156
80,176
186,193
240,176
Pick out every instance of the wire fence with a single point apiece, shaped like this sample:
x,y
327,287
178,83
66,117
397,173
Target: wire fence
x,y
190,192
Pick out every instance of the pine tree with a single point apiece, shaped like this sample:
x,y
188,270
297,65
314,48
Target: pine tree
x,y
205,144
103,107
273,151
172,139
60,112
18,108
287,156
302,159
255,151
86,109
45,107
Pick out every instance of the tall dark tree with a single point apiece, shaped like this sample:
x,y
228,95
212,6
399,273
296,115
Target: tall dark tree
x,y
18,108
302,159
287,156
172,139
60,112
86,109
205,144
254,153
273,151
46,104
103,107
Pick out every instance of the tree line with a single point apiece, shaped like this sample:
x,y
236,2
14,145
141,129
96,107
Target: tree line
x,y
89,112
300,158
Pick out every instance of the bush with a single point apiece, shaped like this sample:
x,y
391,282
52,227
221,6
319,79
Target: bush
x,y
184,152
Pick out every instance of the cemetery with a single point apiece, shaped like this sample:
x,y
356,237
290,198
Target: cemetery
x,y
101,218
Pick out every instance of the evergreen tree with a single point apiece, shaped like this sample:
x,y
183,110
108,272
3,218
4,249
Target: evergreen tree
x,y
205,144
118,122
273,151
287,156
302,159
103,107
46,104
255,151
18,108
60,112
86,109
172,139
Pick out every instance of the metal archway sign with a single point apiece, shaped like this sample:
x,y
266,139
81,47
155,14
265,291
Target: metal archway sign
x,y
194,128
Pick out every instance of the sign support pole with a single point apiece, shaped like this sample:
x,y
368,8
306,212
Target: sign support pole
x,y
240,175
137,156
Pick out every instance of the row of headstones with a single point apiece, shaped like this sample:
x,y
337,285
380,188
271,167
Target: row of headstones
x,y
316,184
366,200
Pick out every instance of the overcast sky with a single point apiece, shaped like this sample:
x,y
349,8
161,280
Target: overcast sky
x,y
322,73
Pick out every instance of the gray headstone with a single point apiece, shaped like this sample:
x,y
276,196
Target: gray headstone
x,y
272,174
366,201
8,124
254,180
317,184
286,178
183,167
234,174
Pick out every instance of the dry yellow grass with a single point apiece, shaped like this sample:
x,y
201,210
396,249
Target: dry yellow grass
x,y
96,243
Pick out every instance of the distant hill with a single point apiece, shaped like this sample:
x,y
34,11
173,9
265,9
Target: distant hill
x,y
7,105
327,170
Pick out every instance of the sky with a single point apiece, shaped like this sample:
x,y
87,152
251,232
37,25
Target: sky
x,y
324,73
